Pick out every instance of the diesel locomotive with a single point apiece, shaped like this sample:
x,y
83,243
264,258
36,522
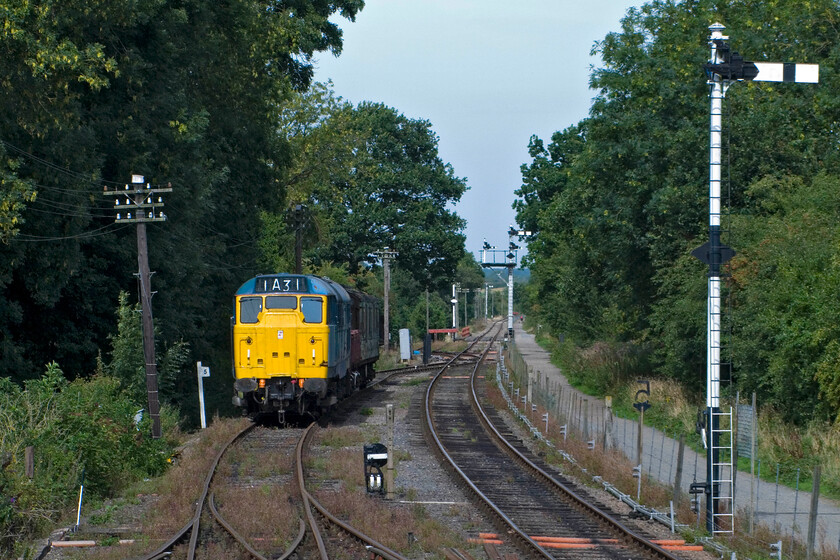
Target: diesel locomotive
x,y
300,344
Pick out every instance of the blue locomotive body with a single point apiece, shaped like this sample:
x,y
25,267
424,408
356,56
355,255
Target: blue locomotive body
x,y
301,343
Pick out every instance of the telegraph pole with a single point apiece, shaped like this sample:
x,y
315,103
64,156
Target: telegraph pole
x,y
725,68
299,224
141,205
386,255
466,293
477,308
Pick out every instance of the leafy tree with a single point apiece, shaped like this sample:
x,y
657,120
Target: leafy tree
x,y
470,274
128,363
369,178
546,176
440,314
397,196
786,279
188,94
314,123
83,425
619,200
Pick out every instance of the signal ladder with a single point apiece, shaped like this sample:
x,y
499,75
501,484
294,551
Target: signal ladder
x,y
722,496
721,441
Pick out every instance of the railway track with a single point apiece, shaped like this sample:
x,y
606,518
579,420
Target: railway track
x,y
534,511
540,513
190,534
321,521
316,523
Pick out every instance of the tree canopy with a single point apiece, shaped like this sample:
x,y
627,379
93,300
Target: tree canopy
x,y
216,100
187,93
368,178
620,199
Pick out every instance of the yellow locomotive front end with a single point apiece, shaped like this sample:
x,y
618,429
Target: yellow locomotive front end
x,y
285,344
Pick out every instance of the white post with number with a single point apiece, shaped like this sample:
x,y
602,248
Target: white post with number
x,y
203,371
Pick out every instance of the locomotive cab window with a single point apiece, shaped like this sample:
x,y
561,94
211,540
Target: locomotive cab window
x,y
312,308
249,309
280,302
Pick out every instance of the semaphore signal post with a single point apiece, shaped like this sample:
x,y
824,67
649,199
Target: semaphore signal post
x,y
726,67
498,258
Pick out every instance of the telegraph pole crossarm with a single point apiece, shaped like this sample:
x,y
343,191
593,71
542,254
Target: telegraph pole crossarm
x,y
726,67
139,202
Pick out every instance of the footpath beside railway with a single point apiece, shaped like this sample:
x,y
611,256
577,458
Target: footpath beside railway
x,y
776,506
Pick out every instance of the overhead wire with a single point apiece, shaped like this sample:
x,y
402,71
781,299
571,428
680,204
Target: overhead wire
x,y
218,263
70,210
55,167
65,214
46,205
83,235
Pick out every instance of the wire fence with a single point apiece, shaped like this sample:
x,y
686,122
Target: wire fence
x,y
785,509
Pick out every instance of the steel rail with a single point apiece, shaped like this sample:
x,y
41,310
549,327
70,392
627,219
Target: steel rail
x,y
193,525
605,518
244,542
430,367
370,543
313,525
431,430
455,354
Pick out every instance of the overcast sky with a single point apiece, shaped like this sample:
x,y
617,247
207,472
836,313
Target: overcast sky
x,y
487,74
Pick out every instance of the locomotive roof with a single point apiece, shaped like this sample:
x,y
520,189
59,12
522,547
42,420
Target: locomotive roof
x,y
292,284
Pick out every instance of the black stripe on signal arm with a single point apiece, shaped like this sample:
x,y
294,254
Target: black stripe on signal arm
x,y
789,72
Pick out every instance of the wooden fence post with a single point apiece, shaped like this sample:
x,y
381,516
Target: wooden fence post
x,y
815,505
29,462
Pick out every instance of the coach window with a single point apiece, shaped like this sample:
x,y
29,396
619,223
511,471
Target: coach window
x,y
249,309
280,302
312,308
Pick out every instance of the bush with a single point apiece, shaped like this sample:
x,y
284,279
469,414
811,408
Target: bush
x,y
74,427
605,366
